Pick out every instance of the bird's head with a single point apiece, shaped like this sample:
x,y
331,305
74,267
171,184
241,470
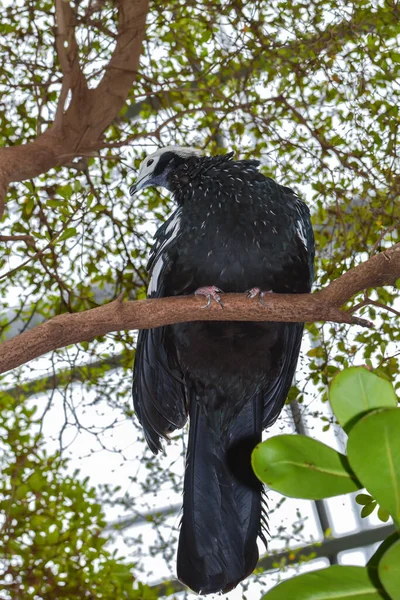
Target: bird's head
x,y
156,167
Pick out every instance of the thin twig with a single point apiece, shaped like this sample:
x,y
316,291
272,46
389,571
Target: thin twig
x,y
40,252
380,238
17,238
384,306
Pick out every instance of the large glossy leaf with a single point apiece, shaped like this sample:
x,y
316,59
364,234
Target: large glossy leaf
x,y
333,583
373,450
298,466
355,391
389,571
378,554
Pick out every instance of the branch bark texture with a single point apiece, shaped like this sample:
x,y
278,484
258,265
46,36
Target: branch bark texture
x,y
64,330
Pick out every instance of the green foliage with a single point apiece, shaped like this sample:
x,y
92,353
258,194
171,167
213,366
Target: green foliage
x,y
369,505
301,467
374,453
298,466
52,544
333,583
389,571
357,390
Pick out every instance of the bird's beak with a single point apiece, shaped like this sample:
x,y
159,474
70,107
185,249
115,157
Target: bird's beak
x,y
133,189
138,185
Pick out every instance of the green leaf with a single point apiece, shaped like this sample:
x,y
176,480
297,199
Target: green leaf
x,y
298,466
29,205
37,482
65,191
53,203
363,499
389,571
373,449
21,491
375,559
355,391
336,582
368,509
383,514
68,233
318,352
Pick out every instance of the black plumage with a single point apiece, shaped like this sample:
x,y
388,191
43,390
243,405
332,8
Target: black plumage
x,y
236,229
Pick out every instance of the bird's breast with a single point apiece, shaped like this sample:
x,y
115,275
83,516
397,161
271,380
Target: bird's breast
x,y
227,247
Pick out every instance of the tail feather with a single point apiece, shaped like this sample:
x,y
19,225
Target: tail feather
x,y
222,501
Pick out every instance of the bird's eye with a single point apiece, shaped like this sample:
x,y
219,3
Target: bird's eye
x,y
150,162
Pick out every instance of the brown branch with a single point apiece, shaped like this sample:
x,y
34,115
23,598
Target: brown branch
x,y
383,306
110,95
381,269
324,305
17,238
79,127
380,238
68,55
68,329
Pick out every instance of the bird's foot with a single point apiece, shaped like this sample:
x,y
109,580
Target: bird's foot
x,y
210,292
255,291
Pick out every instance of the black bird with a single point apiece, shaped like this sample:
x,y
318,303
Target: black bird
x,y
236,229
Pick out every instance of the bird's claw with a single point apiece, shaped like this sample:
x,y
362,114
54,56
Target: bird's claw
x,y
210,292
255,291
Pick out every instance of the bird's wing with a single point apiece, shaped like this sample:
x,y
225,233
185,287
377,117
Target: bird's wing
x,y
159,260
158,389
276,394
305,236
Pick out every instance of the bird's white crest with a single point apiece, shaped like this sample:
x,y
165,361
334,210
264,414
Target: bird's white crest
x,y
149,164
146,169
180,150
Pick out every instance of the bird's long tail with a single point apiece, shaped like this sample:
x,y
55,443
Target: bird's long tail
x,y
222,500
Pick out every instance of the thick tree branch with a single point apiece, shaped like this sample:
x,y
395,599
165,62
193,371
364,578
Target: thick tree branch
x,y
68,55
111,93
381,269
78,128
66,329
